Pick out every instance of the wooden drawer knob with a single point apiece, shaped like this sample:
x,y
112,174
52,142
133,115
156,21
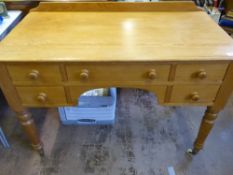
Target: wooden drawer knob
x,y
84,74
34,74
202,74
195,97
152,74
42,97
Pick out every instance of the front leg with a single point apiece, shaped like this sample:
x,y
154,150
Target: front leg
x,y
14,102
206,126
221,99
29,128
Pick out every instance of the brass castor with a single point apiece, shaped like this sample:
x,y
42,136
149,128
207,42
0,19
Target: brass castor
x,y
191,152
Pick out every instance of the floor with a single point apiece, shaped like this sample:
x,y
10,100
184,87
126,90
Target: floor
x,y
145,140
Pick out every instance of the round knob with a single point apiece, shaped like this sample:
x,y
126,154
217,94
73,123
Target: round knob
x,y
42,97
152,74
84,74
202,74
34,74
195,97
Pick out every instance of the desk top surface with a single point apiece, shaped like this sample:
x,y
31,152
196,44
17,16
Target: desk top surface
x,y
116,36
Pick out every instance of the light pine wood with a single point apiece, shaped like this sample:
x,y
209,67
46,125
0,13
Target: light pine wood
x,y
51,58
117,6
225,91
9,90
42,96
145,73
206,126
187,93
34,73
29,127
210,115
23,116
131,36
200,72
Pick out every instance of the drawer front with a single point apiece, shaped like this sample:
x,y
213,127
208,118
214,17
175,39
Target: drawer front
x,y
35,73
92,73
194,93
42,96
200,72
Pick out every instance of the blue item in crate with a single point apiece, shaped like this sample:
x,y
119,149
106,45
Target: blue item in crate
x,y
1,20
3,139
92,110
226,23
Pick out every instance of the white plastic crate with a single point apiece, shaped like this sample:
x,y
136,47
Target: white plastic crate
x,y
92,110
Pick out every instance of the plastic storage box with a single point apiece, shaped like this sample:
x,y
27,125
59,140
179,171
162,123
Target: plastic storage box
x,y
91,110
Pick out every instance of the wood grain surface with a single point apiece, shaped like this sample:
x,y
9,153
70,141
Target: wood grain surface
x,y
116,36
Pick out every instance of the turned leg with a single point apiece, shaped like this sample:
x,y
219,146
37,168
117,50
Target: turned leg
x,y
29,127
207,124
15,103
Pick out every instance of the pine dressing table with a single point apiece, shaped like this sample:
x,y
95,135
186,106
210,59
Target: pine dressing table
x,y
60,50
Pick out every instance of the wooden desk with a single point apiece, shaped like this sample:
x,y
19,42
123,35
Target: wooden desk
x,y
63,49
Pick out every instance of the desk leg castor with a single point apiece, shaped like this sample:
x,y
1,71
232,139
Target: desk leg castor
x,y
29,128
39,148
191,152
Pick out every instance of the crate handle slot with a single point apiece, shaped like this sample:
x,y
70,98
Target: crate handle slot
x,y
86,121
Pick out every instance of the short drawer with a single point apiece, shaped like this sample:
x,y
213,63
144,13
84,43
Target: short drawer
x,y
35,73
42,96
200,72
119,72
194,93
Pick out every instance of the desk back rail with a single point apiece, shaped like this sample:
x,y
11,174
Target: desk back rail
x,y
118,6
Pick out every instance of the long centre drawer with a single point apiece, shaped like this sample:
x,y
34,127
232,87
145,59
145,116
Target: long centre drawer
x,y
92,73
